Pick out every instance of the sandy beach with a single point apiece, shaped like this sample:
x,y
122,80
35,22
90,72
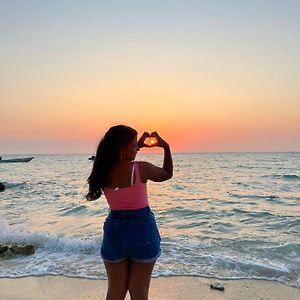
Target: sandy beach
x,y
162,288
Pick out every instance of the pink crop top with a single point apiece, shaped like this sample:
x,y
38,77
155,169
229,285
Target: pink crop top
x,y
130,197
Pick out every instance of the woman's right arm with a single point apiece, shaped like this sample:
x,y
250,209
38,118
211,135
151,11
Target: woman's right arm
x,y
155,173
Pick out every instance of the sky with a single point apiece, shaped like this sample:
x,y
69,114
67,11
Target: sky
x,y
208,76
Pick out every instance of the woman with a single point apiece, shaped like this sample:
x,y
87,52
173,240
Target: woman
x,y
131,241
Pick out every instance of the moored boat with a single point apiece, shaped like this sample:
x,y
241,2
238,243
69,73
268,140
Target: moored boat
x,y
16,160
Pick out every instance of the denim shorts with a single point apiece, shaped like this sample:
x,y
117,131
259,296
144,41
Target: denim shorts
x,y
130,234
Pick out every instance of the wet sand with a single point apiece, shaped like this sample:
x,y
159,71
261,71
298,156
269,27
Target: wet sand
x,y
162,288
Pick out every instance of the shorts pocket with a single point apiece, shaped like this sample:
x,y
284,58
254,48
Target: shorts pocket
x,y
112,235
146,242
146,233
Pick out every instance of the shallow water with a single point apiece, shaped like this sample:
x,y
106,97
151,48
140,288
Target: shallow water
x,y
231,215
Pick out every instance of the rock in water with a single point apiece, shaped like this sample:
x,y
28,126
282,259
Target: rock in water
x,y
2,187
23,249
217,286
3,249
12,250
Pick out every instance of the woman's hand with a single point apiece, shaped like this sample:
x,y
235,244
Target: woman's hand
x,y
141,141
153,172
160,142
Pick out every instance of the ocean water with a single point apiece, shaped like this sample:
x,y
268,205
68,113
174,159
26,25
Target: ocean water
x,y
227,216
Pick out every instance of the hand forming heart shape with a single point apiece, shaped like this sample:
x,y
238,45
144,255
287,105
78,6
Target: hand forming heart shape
x,y
147,140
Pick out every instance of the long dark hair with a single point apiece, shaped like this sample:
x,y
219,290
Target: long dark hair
x,y
107,154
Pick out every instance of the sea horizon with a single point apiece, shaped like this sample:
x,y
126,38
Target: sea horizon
x,y
159,153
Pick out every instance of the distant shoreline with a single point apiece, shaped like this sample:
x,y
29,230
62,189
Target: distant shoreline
x,y
204,152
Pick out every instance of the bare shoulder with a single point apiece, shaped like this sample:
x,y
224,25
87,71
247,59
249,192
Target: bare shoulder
x,y
143,167
151,172
144,164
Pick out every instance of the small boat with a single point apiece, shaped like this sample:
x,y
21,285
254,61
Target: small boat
x,y
16,160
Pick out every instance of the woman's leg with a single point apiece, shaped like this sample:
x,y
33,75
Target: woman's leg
x,y
139,279
117,279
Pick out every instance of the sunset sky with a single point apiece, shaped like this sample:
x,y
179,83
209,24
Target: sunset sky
x,y
209,76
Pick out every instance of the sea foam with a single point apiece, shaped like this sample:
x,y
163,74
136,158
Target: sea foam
x,y
55,242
